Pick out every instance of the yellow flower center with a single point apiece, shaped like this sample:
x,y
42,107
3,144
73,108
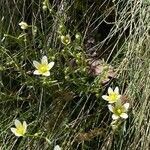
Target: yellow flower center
x,y
66,41
113,96
43,68
119,111
20,130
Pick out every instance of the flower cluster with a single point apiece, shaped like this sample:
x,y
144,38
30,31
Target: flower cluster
x,y
116,106
20,130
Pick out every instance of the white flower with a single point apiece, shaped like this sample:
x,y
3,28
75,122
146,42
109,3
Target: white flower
x,y
44,67
119,111
23,25
57,147
113,96
20,129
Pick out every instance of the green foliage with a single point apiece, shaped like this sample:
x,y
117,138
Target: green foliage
x,y
95,45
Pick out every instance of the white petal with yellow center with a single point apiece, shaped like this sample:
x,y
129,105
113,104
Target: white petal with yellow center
x,y
43,67
111,100
14,130
20,129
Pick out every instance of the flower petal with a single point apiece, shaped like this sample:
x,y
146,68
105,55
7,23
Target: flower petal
x,y
50,65
111,108
17,123
62,37
14,131
124,115
36,72
114,117
23,25
116,90
126,106
46,73
25,126
36,64
110,90
44,60
105,97
57,147
119,96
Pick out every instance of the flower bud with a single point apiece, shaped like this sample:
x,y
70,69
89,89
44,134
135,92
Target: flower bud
x,y
44,7
23,25
65,39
